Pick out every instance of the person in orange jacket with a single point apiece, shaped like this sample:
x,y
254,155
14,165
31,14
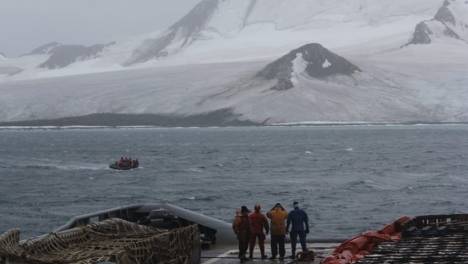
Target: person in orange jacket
x,y
259,222
278,216
241,227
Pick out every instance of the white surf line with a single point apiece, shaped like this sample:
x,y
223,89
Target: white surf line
x,y
224,255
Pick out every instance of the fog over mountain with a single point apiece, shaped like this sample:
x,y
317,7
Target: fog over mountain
x,y
260,61
6,70
44,49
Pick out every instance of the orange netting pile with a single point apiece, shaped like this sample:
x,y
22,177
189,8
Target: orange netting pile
x,y
356,248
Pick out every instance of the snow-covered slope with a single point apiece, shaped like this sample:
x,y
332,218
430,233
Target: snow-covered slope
x,y
229,54
220,30
449,23
240,30
55,59
431,90
178,36
6,71
44,49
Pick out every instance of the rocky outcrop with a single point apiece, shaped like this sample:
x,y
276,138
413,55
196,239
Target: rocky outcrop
x,y
444,14
64,55
444,25
421,34
181,32
311,59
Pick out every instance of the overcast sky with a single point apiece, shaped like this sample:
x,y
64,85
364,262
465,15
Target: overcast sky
x,y
28,24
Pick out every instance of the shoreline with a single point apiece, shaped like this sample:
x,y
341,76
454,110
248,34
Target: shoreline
x,y
219,118
325,124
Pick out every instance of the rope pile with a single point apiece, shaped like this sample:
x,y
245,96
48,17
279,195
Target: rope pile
x,y
112,240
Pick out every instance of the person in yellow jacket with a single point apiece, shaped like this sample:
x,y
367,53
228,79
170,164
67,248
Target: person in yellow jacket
x,y
278,216
241,227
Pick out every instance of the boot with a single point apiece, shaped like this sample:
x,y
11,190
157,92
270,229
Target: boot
x,y
262,251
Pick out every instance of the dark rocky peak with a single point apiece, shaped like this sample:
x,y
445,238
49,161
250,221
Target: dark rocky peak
x,y
197,17
64,55
45,49
423,30
186,29
421,34
312,59
3,55
444,14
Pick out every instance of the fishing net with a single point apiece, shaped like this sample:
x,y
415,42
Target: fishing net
x,y
112,240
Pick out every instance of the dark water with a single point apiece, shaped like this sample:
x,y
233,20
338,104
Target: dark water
x,y
349,179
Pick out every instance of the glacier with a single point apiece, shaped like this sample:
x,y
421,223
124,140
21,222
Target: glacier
x,y
412,58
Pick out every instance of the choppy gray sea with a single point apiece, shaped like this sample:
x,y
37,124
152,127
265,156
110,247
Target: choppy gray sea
x,y
349,179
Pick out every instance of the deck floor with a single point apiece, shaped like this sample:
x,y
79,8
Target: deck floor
x,y
221,254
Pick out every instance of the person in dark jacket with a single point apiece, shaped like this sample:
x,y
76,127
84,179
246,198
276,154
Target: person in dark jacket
x,y
259,223
241,227
298,218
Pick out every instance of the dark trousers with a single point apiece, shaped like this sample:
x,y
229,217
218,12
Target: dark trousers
x,y
302,238
275,241
244,245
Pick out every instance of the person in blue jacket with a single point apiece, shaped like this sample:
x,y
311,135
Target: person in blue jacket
x,y
298,219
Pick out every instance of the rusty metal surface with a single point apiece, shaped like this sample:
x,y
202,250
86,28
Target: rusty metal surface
x,y
450,248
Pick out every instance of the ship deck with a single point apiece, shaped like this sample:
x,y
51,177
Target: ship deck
x,y
449,248
222,254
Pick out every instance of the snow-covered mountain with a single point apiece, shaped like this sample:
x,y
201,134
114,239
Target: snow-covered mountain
x,y
229,30
310,61
2,56
450,22
178,36
220,30
264,61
